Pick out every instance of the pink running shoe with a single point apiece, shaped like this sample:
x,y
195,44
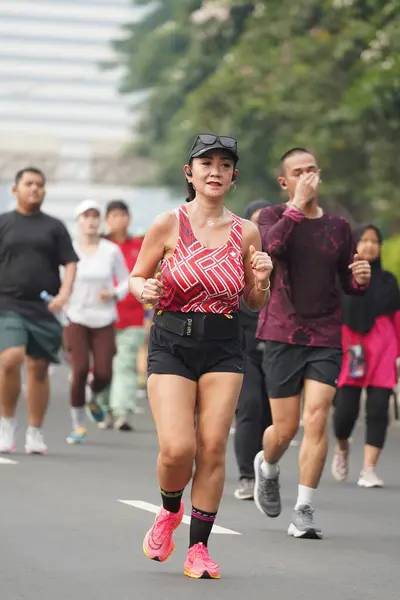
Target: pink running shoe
x,y
158,543
199,565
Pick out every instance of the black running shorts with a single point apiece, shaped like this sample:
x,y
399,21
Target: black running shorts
x,y
286,366
172,354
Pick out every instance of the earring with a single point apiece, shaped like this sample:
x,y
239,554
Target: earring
x,y
233,186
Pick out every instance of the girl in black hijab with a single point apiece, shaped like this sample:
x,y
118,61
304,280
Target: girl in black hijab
x,y
371,346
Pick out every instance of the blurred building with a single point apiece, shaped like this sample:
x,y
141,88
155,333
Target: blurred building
x,y
61,111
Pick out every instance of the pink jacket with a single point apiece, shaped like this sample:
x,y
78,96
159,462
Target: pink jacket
x,y
381,349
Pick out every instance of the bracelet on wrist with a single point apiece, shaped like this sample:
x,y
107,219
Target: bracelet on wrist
x,y
260,289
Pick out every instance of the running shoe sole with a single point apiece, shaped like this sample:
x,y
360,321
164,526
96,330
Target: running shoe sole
x,y
157,558
366,484
8,450
30,452
309,534
205,575
240,496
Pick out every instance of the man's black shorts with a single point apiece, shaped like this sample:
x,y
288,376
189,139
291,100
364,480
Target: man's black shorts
x,y
286,366
171,354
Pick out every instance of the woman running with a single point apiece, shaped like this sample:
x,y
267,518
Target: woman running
x,y
371,345
92,312
209,258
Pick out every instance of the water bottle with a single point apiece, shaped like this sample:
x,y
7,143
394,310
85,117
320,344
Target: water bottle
x,y
357,362
61,315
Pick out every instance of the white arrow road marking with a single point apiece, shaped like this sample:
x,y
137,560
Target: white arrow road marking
x,y
7,461
155,509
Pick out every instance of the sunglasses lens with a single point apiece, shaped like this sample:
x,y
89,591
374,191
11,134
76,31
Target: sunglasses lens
x,y
228,142
207,139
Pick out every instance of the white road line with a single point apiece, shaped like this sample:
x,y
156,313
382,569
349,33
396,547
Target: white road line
x,y
154,509
7,461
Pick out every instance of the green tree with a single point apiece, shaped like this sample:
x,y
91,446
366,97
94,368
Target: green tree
x,y
324,74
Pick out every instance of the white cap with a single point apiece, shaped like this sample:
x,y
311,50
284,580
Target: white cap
x,y
85,206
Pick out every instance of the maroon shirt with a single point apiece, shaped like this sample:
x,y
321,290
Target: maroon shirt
x,y
310,256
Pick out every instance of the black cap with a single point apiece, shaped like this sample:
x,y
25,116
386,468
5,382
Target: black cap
x,y
117,205
206,142
255,206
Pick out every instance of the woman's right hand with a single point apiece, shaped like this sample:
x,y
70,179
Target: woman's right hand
x,y
152,290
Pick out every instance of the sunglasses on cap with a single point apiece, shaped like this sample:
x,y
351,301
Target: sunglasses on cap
x,y
205,142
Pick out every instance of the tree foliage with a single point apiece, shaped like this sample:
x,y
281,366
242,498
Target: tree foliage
x,y
324,74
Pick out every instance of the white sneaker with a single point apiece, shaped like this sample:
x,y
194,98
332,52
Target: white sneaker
x,y
369,479
8,431
34,442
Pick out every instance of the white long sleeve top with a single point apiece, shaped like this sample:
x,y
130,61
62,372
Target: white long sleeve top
x,y
104,269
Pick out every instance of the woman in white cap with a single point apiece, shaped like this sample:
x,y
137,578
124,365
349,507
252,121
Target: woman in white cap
x,y
101,280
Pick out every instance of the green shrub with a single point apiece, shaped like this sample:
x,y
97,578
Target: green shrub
x,y
391,255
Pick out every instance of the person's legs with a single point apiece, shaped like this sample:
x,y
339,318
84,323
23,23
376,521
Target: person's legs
x,y
320,377
266,415
13,342
277,438
347,408
76,340
43,347
124,381
314,447
217,399
102,342
283,367
103,399
377,421
248,426
172,400
102,346
11,361
37,401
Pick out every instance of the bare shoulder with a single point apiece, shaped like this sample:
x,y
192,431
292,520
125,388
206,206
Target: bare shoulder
x,y
165,222
249,228
250,234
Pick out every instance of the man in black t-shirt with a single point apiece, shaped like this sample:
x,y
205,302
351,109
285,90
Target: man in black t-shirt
x,y
33,247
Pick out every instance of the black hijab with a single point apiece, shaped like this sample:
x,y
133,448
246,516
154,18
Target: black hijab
x,y
381,298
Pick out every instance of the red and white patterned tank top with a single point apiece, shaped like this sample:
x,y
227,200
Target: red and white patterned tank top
x,y
199,279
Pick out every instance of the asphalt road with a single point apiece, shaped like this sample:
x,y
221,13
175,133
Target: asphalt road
x,y
65,534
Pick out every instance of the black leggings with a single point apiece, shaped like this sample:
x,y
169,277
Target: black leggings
x,y
347,408
253,415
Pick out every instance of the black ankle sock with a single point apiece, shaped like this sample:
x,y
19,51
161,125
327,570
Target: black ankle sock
x,y
171,500
200,526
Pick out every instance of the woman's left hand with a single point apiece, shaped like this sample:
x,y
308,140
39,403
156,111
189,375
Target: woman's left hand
x,y
262,266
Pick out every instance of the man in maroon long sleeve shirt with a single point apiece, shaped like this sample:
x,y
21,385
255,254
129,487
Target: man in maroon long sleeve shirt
x,y
312,252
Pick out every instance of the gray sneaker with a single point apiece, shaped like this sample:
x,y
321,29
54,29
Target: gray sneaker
x,y
266,490
245,489
303,524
